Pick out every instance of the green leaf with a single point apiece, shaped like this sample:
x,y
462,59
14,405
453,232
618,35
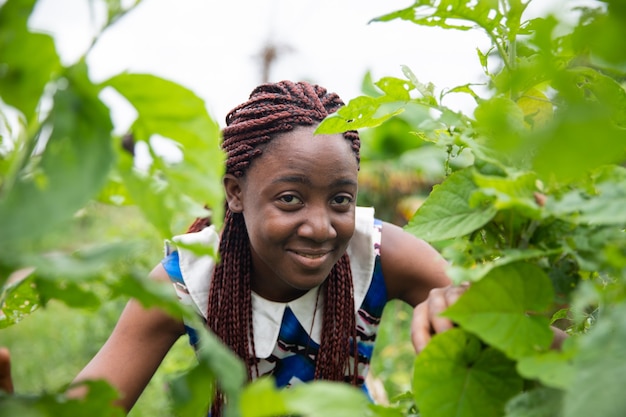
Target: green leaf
x,y
172,111
539,402
449,14
378,410
501,121
316,399
261,398
502,309
582,136
96,403
604,206
71,293
426,90
600,369
27,60
516,192
599,34
72,168
554,368
115,192
150,293
447,212
326,399
367,111
18,299
155,197
81,263
456,377
476,272
194,389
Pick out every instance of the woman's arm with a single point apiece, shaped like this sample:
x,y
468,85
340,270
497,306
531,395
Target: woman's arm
x,y
415,273
134,350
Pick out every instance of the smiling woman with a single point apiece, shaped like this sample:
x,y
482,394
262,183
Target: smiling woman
x,y
302,282
303,274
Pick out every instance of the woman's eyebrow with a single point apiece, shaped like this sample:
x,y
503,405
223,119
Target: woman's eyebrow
x,y
302,179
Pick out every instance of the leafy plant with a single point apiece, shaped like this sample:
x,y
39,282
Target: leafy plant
x,y
535,221
58,153
530,212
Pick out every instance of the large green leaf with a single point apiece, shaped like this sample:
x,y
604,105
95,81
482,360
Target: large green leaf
x,y
192,391
600,369
27,60
455,376
316,399
172,111
502,309
73,167
448,213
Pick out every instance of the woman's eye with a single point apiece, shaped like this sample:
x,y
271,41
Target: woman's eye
x,y
289,199
342,200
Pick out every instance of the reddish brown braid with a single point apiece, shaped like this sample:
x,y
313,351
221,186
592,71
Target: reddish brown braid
x,y
273,109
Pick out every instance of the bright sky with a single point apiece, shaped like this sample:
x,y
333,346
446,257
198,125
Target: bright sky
x,y
212,46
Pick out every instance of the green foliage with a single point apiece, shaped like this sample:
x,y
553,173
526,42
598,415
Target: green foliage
x,y
535,220
458,376
78,152
449,213
529,209
503,309
96,403
171,111
599,369
262,399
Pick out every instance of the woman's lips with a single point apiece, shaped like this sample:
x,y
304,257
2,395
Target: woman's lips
x,y
310,259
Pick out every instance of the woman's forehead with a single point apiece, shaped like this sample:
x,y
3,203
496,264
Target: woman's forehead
x,y
300,151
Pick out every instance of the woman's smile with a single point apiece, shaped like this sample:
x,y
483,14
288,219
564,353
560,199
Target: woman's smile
x,y
310,259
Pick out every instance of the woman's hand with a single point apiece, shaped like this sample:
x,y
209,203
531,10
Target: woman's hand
x,y
426,315
6,383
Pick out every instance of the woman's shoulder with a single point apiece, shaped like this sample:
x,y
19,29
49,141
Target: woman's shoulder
x,y
189,262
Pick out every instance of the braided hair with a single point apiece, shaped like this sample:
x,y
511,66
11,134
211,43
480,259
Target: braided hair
x,y
273,109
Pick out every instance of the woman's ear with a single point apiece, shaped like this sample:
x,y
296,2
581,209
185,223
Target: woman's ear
x,y
233,189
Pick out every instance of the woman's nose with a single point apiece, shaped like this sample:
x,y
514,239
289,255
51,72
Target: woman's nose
x,y
317,225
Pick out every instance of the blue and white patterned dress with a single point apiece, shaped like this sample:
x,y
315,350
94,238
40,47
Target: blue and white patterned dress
x,y
287,335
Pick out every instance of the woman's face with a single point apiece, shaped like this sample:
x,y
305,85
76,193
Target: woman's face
x,y
298,201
